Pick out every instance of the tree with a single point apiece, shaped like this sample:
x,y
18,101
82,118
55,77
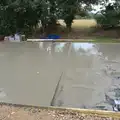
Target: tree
x,y
74,7
55,9
7,24
23,15
109,16
18,16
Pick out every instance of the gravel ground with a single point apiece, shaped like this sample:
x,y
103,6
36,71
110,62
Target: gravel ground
x,y
12,112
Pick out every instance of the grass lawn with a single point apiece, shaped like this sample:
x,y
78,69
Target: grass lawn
x,y
81,23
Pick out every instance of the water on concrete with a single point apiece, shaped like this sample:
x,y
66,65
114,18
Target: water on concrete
x,y
30,73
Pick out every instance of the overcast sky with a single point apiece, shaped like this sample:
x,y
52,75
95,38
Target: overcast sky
x,y
97,7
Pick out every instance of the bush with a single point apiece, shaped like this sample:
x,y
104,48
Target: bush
x,y
108,18
18,17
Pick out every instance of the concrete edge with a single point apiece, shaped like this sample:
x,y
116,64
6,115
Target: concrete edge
x,y
73,40
101,113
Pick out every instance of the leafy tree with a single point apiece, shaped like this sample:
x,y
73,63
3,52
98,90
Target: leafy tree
x,y
7,24
23,15
110,16
74,7
55,9
18,16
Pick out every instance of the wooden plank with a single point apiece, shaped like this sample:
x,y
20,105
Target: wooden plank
x,y
76,40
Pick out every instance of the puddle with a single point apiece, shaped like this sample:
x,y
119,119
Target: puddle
x,y
85,48
59,47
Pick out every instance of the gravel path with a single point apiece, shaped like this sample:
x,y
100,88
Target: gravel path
x,y
13,112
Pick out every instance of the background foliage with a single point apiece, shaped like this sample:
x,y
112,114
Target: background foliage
x,y
24,15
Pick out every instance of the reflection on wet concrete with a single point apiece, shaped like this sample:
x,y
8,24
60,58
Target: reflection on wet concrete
x,y
30,73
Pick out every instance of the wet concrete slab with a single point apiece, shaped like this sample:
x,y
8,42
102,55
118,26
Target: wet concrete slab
x,y
27,74
30,73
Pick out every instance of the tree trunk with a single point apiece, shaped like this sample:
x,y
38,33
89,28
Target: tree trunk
x,y
69,28
49,27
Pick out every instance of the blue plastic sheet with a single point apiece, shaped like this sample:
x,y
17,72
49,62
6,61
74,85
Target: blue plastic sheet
x,y
53,36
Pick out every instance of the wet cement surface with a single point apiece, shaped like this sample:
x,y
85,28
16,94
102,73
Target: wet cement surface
x,y
30,73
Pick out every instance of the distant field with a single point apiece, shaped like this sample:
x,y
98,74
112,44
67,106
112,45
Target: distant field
x,y
79,23
82,23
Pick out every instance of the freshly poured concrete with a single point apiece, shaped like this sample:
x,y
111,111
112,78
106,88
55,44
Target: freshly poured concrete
x,y
30,72
27,74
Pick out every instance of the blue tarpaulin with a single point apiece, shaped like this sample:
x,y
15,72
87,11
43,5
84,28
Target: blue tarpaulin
x,y
53,36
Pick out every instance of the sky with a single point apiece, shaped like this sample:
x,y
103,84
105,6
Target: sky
x,y
97,7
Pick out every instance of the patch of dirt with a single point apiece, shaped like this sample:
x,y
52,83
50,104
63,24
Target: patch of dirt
x,y
31,113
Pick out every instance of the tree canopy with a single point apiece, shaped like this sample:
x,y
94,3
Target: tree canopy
x,y
22,15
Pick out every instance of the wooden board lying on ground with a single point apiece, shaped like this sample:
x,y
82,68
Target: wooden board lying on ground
x,y
23,112
76,40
